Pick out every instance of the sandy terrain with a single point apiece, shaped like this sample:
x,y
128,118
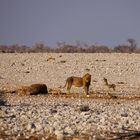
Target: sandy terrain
x,y
24,69
123,70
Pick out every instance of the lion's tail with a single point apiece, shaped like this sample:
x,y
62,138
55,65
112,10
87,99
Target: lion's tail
x,y
64,85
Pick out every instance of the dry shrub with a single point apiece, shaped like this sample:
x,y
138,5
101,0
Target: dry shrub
x,y
124,49
68,48
98,49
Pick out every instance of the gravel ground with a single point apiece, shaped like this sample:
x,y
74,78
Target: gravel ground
x,y
46,114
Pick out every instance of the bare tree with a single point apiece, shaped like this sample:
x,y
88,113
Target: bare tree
x,y
133,44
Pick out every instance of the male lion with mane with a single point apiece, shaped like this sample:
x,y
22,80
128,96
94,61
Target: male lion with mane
x,y
33,89
79,82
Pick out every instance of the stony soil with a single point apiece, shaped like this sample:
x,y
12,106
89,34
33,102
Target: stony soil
x,y
74,116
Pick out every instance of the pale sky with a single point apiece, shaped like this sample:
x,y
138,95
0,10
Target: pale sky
x,y
106,22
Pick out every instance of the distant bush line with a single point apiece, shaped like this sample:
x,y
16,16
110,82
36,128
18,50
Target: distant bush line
x,y
67,48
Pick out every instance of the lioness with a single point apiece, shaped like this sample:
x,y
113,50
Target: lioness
x,y
78,82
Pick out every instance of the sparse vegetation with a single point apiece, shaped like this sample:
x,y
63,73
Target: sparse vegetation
x,y
131,47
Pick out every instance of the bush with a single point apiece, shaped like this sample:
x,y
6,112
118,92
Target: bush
x,y
68,48
124,49
98,49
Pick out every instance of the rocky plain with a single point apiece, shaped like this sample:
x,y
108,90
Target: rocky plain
x,y
56,116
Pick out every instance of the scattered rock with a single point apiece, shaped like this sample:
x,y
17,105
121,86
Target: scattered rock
x,y
39,115
68,131
124,115
31,126
63,61
51,58
84,108
53,111
59,135
27,72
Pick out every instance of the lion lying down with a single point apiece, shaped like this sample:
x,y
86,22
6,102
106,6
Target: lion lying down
x,y
33,89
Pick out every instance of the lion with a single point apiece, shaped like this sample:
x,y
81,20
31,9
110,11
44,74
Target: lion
x,y
79,82
33,89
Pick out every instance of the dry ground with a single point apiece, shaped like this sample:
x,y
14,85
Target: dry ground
x,y
52,69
